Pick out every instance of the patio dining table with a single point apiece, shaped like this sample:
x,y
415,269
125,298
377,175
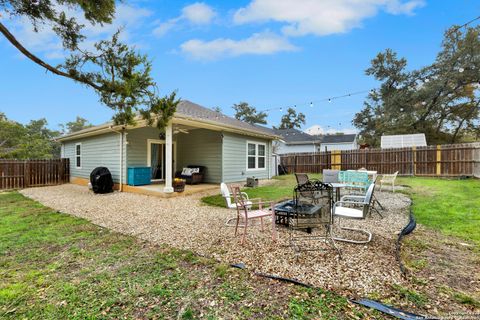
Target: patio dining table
x,y
337,187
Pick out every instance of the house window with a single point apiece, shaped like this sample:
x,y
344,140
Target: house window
x,y
78,155
256,154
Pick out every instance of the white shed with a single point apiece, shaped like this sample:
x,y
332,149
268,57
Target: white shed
x,y
403,140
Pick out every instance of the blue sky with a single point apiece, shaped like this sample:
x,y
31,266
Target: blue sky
x,y
269,53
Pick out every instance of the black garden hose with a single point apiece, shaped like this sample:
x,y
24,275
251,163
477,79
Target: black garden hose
x,y
411,225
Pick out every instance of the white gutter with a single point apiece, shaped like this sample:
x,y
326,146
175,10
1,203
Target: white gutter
x,y
122,134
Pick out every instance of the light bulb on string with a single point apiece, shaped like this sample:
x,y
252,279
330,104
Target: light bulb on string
x,y
311,104
424,103
461,70
329,100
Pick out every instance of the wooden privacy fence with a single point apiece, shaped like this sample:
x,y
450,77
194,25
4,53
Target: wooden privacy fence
x,y
442,160
17,174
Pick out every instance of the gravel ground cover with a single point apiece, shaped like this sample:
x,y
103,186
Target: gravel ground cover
x,y
186,223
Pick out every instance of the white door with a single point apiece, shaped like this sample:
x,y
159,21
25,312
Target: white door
x,y
156,159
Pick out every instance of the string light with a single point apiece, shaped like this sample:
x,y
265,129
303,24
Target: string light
x,y
330,100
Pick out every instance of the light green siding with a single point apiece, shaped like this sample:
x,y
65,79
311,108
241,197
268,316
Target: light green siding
x,y
235,158
97,151
224,154
201,147
137,145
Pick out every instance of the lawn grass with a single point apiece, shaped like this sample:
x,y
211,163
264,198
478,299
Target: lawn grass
x,y
282,188
56,266
449,205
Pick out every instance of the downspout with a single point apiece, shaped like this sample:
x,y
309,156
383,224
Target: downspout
x,y
122,134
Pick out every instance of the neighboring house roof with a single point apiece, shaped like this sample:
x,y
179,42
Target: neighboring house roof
x,y
403,140
187,110
339,138
294,136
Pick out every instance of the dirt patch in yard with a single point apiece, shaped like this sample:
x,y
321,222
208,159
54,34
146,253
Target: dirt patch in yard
x,y
184,222
445,268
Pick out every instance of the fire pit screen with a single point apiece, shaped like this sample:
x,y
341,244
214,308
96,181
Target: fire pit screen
x,y
307,215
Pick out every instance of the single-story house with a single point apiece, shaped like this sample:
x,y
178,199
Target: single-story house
x,y
338,142
230,149
403,140
295,141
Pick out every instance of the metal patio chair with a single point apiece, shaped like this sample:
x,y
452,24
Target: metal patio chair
x,y
354,209
388,179
309,193
230,201
308,216
266,209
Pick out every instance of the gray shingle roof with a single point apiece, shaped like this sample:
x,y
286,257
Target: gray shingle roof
x,y
192,110
292,136
338,138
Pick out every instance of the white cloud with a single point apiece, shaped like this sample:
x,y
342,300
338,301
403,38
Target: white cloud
x,y
47,43
258,44
197,13
320,17
317,129
164,27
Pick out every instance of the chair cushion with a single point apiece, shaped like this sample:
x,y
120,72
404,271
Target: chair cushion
x,y
348,212
187,172
195,170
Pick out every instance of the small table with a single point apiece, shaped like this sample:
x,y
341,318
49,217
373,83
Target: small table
x,y
337,186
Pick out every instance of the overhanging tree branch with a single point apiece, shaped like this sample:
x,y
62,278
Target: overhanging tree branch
x,y
11,38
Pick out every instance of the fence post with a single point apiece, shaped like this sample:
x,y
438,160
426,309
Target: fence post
x,y
26,174
439,160
61,171
414,161
336,160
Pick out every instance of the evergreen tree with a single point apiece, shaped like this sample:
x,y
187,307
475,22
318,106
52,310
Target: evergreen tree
x,y
292,120
119,75
247,113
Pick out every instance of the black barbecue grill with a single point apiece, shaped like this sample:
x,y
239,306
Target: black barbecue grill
x,y
101,180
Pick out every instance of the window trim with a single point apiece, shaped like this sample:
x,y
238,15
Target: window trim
x,y
78,155
256,143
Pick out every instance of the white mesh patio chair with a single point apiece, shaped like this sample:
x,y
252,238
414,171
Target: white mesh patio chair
x,y
388,179
357,208
230,202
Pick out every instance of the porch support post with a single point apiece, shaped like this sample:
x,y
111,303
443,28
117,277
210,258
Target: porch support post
x,y
168,158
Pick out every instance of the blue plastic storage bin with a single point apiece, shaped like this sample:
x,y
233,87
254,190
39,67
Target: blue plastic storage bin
x,y
138,176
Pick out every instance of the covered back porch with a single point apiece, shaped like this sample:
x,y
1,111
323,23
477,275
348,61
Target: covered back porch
x,y
167,152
